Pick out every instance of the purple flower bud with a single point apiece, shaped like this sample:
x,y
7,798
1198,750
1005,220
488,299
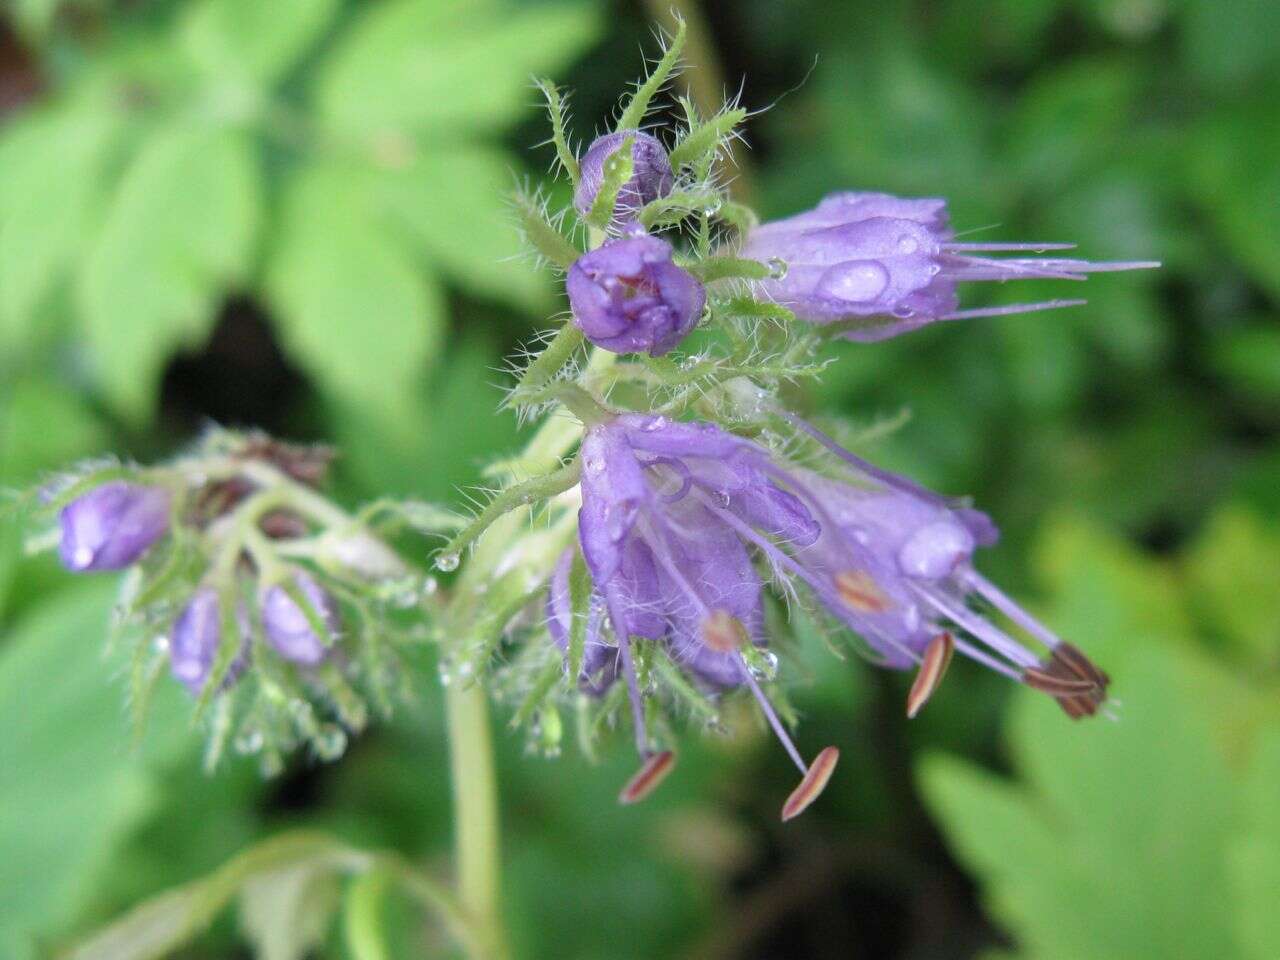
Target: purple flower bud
x,y
193,643
887,265
111,526
650,173
628,297
287,627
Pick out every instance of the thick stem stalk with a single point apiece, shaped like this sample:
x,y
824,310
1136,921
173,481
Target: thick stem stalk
x,y
475,815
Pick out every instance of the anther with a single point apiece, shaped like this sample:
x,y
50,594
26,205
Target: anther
x,y
859,592
933,667
814,782
647,778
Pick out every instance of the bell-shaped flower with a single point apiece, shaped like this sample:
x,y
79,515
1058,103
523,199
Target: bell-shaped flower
x,y
112,526
882,265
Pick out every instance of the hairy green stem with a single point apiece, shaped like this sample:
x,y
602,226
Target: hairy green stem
x,y
475,815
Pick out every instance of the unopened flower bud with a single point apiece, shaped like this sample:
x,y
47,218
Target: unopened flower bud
x,y
111,526
628,297
363,554
288,628
651,175
193,643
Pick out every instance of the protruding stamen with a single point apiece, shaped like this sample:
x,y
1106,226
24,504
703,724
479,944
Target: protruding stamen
x,y
771,715
933,667
1066,664
647,778
1071,658
1010,309
1005,247
814,782
859,592
723,632
1055,685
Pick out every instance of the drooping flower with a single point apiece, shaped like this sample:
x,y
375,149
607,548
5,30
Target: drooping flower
x,y
651,175
666,566
628,297
194,641
886,265
112,526
288,627
672,514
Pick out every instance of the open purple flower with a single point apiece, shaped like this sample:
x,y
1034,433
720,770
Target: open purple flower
x,y
651,175
628,297
657,528
194,641
112,526
290,630
673,512
886,265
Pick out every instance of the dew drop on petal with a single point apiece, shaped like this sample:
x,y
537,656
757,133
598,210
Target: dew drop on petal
x,y
855,281
777,268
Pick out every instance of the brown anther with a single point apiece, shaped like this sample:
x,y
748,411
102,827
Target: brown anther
x,y
723,632
647,778
1072,679
859,592
814,782
933,667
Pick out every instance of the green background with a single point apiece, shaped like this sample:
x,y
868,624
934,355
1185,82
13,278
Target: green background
x,y
292,215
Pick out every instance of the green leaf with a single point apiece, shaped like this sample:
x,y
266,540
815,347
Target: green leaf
x,y
1250,357
1233,569
461,191
251,41
1255,856
53,167
353,308
408,66
71,790
178,234
1092,858
286,913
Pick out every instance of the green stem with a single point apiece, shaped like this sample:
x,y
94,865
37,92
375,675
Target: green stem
x,y
475,815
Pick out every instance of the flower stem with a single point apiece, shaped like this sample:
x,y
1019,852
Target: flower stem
x,y
475,815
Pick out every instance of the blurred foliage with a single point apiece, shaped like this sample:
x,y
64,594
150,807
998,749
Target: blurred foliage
x,y
186,185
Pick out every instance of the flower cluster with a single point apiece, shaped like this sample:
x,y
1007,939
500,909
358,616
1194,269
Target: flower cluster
x,y
691,512
237,564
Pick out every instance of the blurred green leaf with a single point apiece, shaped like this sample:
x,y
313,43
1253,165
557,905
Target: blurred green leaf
x,y
1233,572
286,913
178,234
409,66
253,42
1255,858
1250,358
70,790
1226,41
53,166
353,308
464,191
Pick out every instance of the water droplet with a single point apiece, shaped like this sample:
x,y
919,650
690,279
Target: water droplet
x,y
653,423
903,312
248,741
934,269
447,562
763,664
777,268
908,244
593,465
856,281
329,742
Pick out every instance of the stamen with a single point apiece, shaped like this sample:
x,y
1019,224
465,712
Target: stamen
x,y
1055,686
1070,678
723,632
771,715
859,592
1005,247
633,685
1010,309
651,773
937,657
814,782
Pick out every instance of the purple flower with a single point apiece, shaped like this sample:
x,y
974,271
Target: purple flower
x,y
111,526
650,174
886,265
662,502
599,666
194,640
628,297
288,628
